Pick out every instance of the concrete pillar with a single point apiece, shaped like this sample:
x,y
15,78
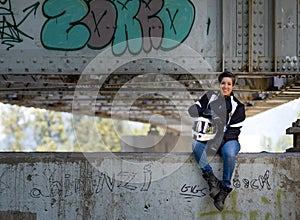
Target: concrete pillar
x,y
295,131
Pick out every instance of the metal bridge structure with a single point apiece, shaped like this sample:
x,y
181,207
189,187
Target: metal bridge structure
x,y
147,61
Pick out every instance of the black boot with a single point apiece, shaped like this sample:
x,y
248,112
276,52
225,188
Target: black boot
x,y
213,183
219,200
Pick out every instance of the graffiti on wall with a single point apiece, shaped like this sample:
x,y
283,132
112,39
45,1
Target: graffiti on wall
x,y
72,25
54,185
90,183
232,211
259,183
11,31
190,191
135,25
193,191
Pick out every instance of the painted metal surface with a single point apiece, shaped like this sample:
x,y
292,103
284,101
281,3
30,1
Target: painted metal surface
x,y
53,36
37,36
144,186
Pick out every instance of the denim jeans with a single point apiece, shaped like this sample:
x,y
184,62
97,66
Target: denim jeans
x,y
229,150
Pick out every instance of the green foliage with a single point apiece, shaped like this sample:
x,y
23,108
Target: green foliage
x,y
43,130
87,135
49,130
266,143
283,143
100,134
14,122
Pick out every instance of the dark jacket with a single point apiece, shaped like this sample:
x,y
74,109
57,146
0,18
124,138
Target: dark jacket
x,y
229,109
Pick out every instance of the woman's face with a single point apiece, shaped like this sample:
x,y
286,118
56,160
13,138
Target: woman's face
x,y
226,86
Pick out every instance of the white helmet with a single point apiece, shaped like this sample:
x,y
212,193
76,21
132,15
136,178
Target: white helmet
x,y
203,129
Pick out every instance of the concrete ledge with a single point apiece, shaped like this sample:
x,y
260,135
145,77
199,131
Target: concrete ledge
x,y
144,186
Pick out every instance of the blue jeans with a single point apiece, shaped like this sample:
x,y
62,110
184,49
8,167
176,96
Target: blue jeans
x,y
229,150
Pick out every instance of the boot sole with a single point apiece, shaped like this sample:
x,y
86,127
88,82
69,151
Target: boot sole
x,y
220,208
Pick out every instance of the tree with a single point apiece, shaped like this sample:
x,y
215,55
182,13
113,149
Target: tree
x,y
283,143
97,134
44,130
266,143
86,139
15,120
49,131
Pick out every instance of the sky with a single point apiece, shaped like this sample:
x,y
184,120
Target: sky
x,y
272,123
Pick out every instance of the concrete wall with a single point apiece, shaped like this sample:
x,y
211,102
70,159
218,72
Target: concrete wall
x,y
143,186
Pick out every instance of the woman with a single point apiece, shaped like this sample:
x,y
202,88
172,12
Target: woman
x,y
226,112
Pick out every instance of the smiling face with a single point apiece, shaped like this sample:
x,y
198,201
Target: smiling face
x,y
226,86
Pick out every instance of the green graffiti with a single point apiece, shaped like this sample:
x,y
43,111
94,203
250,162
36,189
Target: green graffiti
x,y
280,193
178,18
268,216
63,30
253,215
231,214
265,200
129,30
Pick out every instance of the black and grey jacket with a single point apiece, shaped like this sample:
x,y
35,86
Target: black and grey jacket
x,y
233,114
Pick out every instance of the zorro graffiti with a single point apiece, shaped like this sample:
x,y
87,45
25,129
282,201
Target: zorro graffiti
x,y
123,24
71,25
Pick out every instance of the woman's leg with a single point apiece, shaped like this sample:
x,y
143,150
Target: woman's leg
x,y
228,152
199,151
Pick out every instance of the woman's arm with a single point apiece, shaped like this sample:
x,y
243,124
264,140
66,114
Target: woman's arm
x,y
196,110
233,129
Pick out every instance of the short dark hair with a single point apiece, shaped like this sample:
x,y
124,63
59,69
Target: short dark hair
x,y
227,74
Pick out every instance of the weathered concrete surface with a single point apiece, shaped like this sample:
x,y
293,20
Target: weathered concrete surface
x,y
143,186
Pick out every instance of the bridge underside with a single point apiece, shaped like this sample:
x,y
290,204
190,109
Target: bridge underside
x,y
138,96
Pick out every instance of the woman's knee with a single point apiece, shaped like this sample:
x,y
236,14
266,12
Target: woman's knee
x,y
198,147
231,149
